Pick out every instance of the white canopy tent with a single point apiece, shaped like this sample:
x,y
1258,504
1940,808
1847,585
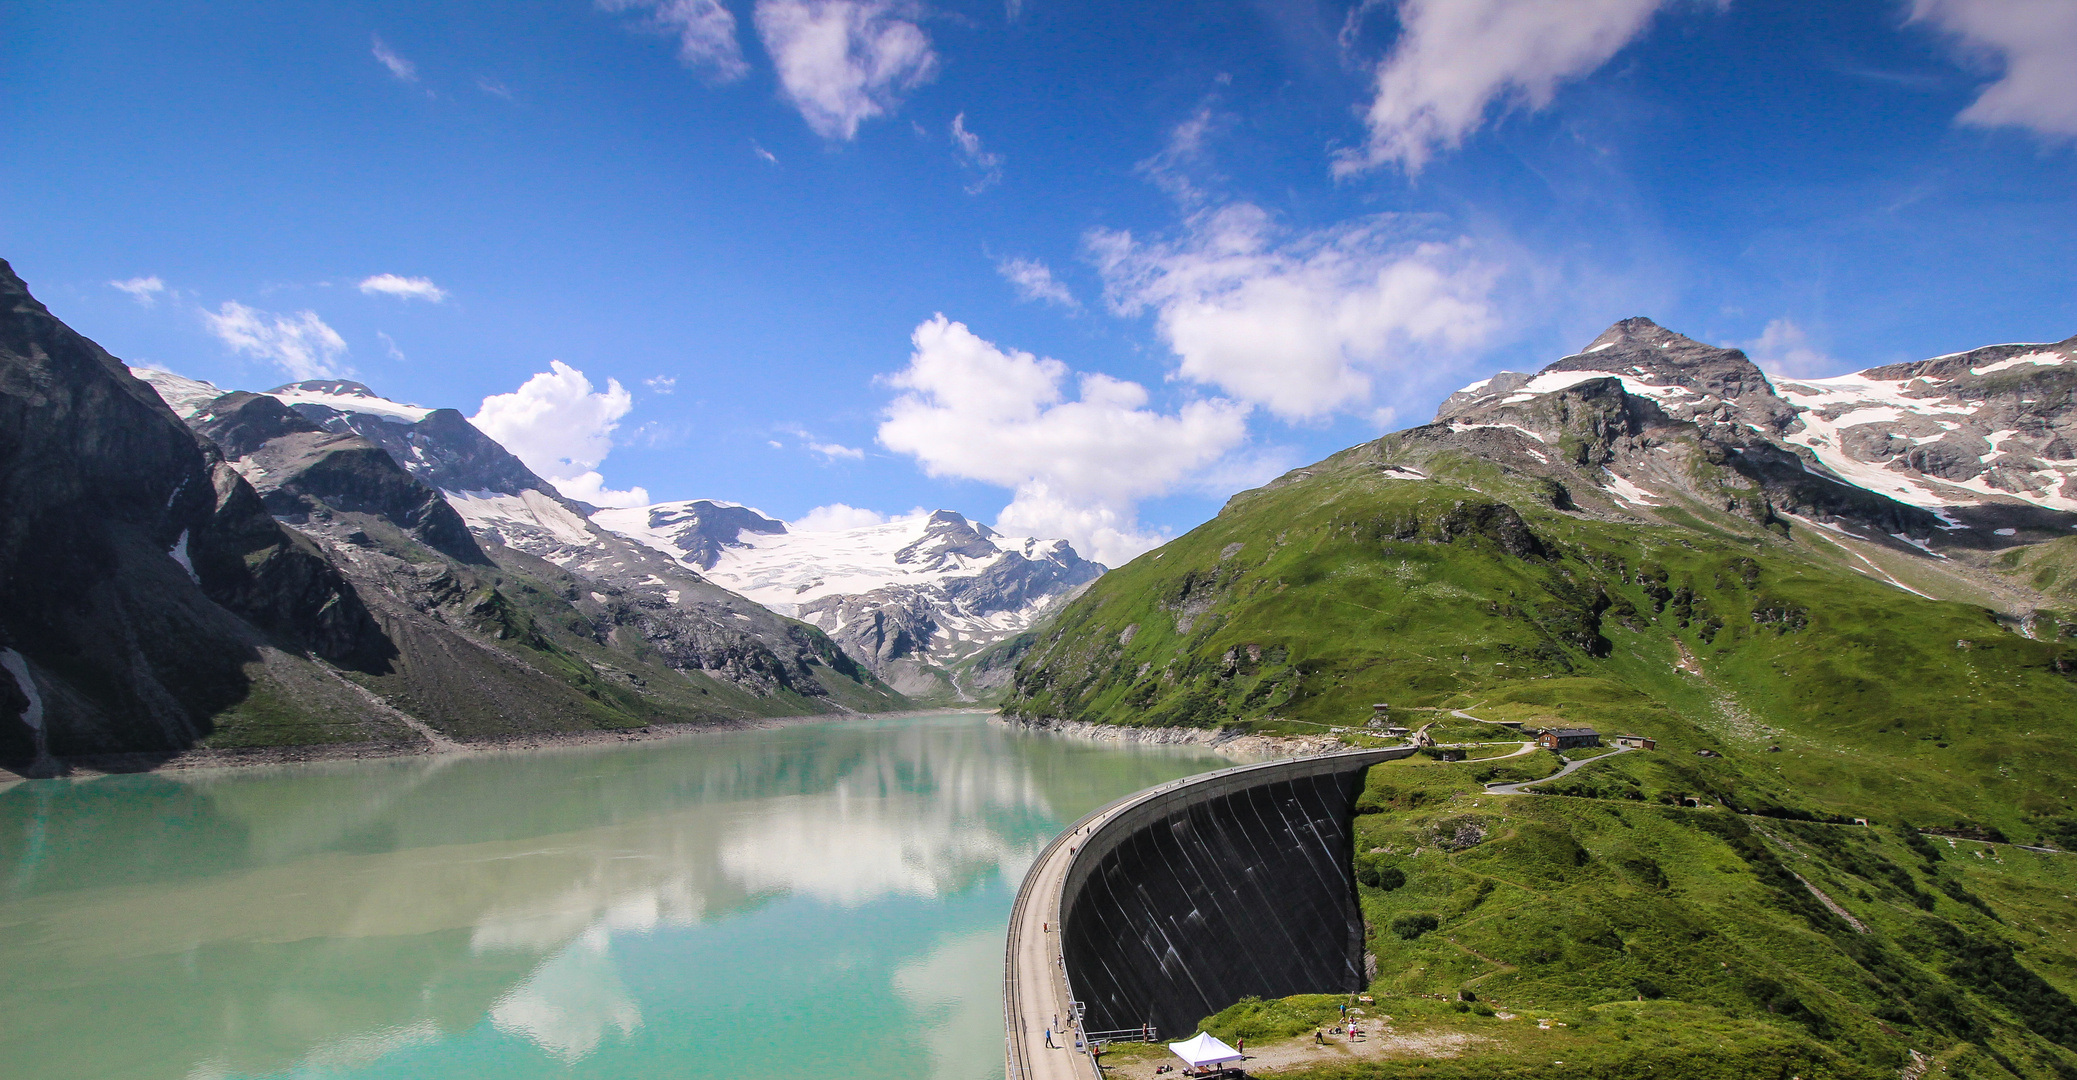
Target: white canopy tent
x,y
1201,1050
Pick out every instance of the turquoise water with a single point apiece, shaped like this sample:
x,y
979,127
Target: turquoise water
x,y
825,899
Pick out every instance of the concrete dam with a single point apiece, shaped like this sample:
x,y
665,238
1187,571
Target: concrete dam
x,y
1174,903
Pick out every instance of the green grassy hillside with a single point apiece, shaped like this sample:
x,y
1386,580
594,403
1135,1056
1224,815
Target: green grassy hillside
x,y
1662,941
1827,694
2048,568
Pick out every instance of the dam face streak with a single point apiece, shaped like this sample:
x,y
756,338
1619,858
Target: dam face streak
x,y
1237,884
1173,903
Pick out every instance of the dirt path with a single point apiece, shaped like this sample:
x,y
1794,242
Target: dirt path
x,y
1498,967
1517,789
1287,1055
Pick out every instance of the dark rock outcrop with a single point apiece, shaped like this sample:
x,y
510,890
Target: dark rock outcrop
x,y
141,578
316,479
443,450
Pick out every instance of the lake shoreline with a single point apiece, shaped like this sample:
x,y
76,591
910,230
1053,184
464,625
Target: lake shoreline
x,y
1244,746
92,765
1239,746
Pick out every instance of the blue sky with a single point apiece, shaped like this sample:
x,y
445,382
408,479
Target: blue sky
x,y
1082,269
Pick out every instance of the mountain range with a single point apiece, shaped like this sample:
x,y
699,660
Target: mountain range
x,y
318,566
914,599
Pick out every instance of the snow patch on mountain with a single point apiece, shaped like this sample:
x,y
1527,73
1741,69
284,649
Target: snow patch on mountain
x,y
15,665
1920,435
1629,492
794,568
1633,381
183,395
513,516
348,397
2039,359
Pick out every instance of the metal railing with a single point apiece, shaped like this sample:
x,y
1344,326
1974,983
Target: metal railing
x,y
1138,1034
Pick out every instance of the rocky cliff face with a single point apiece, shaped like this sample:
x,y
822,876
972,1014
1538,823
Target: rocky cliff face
x,y
145,590
438,446
319,480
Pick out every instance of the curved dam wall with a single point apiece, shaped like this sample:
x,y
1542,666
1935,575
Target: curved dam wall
x,y
1231,884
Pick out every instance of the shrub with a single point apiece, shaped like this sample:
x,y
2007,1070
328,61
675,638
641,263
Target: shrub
x,y
1376,873
1409,927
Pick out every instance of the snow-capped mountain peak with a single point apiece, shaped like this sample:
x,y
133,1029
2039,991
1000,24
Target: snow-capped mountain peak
x,y
905,596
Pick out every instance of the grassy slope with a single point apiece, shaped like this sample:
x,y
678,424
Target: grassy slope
x,y
1305,602
2049,568
1666,937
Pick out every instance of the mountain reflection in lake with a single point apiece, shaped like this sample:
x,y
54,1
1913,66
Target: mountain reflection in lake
x,y
770,903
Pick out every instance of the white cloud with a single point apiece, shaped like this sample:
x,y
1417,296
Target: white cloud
x,y
661,384
1784,349
769,157
562,429
1454,58
493,87
842,62
2036,40
144,290
300,344
403,288
706,33
987,165
1184,153
590,487
972,410
403,69
1300,324
389,344
836,517
836,450
1034,281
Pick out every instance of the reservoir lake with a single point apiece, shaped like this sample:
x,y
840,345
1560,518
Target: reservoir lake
x,y
825,899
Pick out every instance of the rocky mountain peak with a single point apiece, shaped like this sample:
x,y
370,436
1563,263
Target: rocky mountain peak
x,y
143,585
694,531
1687,379
241,422
329,483
947,535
